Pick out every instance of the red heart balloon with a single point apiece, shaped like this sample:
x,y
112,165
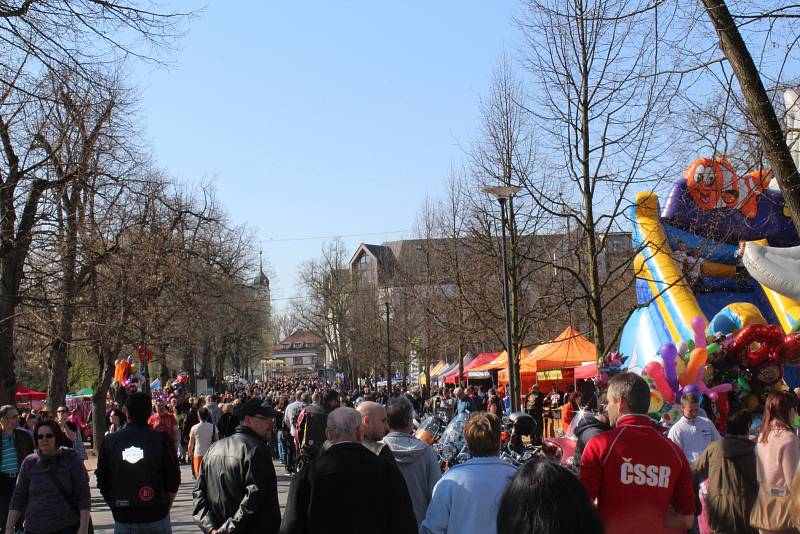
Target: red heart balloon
x,y
789,351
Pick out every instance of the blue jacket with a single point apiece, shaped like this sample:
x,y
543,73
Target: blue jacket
x,y
466,499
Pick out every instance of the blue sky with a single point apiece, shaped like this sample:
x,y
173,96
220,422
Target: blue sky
x,y
320,118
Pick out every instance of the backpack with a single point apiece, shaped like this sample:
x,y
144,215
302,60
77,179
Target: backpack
x,y
311,431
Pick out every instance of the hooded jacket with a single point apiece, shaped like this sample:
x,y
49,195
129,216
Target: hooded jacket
x,y
419,465
586,430
730,467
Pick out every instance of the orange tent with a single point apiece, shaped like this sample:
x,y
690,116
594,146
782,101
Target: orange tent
x,y
501,362
568,349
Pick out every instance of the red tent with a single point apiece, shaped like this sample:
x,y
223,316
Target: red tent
x,y
481,359
27,393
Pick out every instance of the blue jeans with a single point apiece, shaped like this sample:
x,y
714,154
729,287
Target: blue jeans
x,y
162,526
281,446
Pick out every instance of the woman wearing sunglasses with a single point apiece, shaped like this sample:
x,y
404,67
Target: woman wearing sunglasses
x,y
52,487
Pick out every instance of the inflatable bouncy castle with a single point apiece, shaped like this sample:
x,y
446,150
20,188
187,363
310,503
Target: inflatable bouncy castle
x,y
718,284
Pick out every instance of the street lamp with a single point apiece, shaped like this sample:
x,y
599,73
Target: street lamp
x,y
504,194
387,299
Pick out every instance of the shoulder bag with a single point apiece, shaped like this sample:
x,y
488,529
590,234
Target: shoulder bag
x,y
64,493
771,509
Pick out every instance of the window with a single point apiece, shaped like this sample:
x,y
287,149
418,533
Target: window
x,y
287,345
297,345
298,360
308,345
363,263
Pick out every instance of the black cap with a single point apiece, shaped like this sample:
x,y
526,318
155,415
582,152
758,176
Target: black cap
x,y
256,407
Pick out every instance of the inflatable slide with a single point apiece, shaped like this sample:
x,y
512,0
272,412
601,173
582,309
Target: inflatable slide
x,y
721,248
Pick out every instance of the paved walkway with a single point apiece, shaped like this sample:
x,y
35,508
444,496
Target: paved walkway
x,y
181,514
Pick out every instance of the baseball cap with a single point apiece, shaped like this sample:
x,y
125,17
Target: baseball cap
x,y
256,407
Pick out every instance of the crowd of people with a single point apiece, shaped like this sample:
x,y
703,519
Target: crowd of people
x,y
355,465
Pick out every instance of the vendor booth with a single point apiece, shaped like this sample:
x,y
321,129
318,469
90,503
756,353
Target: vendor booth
x,y
35,398
566,352
435,367
449,376
480,360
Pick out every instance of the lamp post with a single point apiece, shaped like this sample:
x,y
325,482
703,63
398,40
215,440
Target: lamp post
x,y
387,299
504,194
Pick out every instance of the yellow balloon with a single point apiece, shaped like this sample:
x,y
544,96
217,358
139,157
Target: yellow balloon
x,y
708,374
656,402
680,366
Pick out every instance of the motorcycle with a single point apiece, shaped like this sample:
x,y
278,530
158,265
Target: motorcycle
x,y
514,450
431,428
452,447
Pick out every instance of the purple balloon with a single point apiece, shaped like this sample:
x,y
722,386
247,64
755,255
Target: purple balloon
x,y
668,355
690,388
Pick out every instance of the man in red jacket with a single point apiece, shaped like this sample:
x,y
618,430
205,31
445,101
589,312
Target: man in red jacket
x,y
641,480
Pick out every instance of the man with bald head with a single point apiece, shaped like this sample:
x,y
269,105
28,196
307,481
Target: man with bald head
x,y
347,474
374,427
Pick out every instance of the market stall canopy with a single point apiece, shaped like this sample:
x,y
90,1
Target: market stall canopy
x,y
501,361
437,367
588,370
568,349
450,374
434,368
481,359
446,371
85,392
27,393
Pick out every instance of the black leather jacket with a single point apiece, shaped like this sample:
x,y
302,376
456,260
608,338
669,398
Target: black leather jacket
x,y
245,499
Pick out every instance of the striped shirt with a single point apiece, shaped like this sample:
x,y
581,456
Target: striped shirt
x,y
9,464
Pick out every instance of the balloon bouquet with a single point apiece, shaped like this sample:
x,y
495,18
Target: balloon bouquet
x,y
179,388
746,363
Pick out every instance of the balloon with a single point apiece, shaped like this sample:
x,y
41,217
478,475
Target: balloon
x,y
694,369
669,354
690,388
683,347
790,350
712,348
656,402
656,371
742,384
680,366
670,414
713,396
699,327
769,374
722,388
769,337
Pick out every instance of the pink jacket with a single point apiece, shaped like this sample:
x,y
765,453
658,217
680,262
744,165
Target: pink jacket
x,y
777,459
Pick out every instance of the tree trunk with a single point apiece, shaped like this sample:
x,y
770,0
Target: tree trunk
x,y
101,387
8,379
594,304
761,109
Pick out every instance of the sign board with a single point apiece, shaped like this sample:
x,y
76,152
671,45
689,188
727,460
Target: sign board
x,y
555,374
202,387
479,374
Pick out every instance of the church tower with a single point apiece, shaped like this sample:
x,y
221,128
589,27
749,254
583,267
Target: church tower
x,y
261,286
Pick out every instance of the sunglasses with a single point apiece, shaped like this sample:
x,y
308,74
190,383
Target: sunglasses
x,y
45,436
61,411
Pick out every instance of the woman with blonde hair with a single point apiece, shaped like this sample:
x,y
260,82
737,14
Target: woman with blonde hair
x,y
777,457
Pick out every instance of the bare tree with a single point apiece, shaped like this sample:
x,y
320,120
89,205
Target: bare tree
x,y
761,110
598,101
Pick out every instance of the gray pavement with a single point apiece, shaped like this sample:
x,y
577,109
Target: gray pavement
x,y
181,514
